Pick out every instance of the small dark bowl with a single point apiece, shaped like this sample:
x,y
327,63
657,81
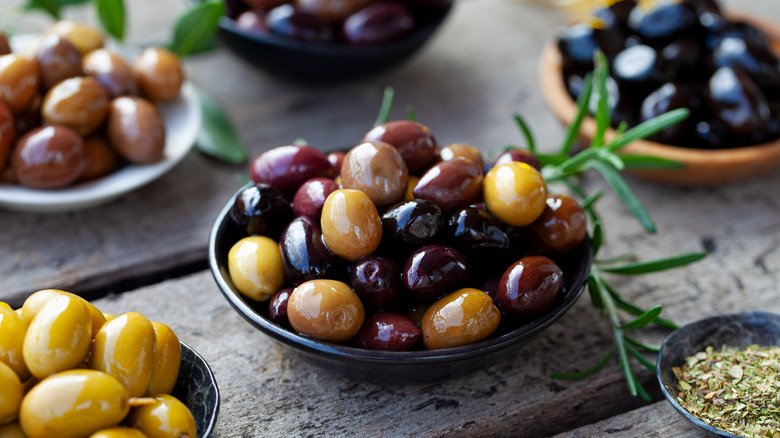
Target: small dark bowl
x,y
323,63
389,367
198,390
738,330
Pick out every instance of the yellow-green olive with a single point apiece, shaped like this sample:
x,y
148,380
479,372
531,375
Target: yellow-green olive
x,y
167,360
136,130
112,71
515,193
79,103
256,267
351,226
11,395
124,348
73,404
59,336
159,74
166,418
37,300
13,430
118,432
325,309
19,80
12,330
86,38
461,318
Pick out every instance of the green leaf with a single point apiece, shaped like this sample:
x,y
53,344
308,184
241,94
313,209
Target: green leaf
x,y
617,259
529,137
410,116
52,7
385,107
612,159
300,142
656,265
649,162
195,30
634,342
591,199
598,237
242,179
603,119
112,16
634,310
625,194
593,290
625,365
217,136
582,110
549,159
640,357
648,128
644,319
583,374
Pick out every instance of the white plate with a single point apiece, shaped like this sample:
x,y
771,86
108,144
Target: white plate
x,y
182,122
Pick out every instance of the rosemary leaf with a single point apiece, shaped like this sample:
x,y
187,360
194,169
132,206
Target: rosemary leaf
x,y
644,319
591,199
410,115
634,310
603,118
632,161
598,237
546,159
648,128
385,107
640,357
635,343
656,265
529,138
612,159
617,259
626,195
593,290
582,111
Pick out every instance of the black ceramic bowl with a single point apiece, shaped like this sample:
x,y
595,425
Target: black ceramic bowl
x,y
198,390
389,367
312,62
738,330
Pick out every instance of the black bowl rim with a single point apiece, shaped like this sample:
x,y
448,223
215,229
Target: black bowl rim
x,y
345,352
214,412
673,338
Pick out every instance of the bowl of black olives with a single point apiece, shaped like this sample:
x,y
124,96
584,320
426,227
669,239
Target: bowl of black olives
x,y
665,55
399,261
327,41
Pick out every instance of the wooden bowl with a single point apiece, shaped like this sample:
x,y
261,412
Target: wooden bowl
x,y
702,166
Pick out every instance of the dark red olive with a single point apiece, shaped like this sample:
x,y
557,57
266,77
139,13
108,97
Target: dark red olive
x,y
277,307
561,226
311,196
49,157
336,159
490,287
388,331
411,224
252,21
530,286
451,184
304,254
263,210
7,133
378,23
377,281
521,155
287,21
287,167
5,48
663,22
414,142
738,102
434,271
474,230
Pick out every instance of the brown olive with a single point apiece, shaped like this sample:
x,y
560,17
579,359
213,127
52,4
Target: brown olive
x,y
57,59
451,184
7,133
136,129
80,103
333,11
100,158
5,48
455,150
49,157
376,169
19,79
325,309
351,226
530,286
414,142
461,318
560,227
111,70
85,38
159,74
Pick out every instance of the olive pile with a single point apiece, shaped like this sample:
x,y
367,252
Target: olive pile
x,y
669,54
68,370
354,22
399,244
72,111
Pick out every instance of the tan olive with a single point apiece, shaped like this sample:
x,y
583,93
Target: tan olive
x,y
11,395
58,337
13,430
49,157
100,158
455,150
376,169
159,74
35,302
256,267
461,318
12,331
86,38
118,432
325,309
79,103
351,226
57,59
73,404
136,130
166,418
124,348
167,360
19,81
7,133
5,48
112,71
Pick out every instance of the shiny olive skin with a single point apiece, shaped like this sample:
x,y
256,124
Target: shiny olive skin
x,y
579,42
351,226
530,286
256,267
311,196
49,157
5,48
378,23
333,11
662,22
277,307
336,159
414,141
263,210
35,302
12,430
167,360
118,432
100,159
639,66
515,193
125,348
11,395
325,309
521,155
376,169
455,150
737,102
79,103
561,227
7,133
289,22
475,231
111,71
57,59
451,184
411,224
19,79
377,281
668,97
252,21
167,417
159,74
388,331
685,57
304,253
287,167
136,130
757,61
434,270
84,37
461,318
86,401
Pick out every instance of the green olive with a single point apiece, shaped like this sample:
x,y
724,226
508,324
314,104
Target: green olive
x,y
118,432
124,348
256,267
35,302
73,404
11,395
59,336
167,360
13,430
461,318
12,330
351,226
515,193
166,418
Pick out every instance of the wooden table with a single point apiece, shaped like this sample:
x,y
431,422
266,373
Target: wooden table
x,y
147,251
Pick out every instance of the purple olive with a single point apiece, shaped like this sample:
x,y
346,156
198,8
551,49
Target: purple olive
x,y
304,254
287,167
277,307
414,142
263,210
311,196
530,286
377,281
388,331
434,271
287,21
520,155
451,184
378,23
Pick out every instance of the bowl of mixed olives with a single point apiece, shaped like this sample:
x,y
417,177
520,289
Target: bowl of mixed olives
x,y
665,55
326,40
81,125
399,260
